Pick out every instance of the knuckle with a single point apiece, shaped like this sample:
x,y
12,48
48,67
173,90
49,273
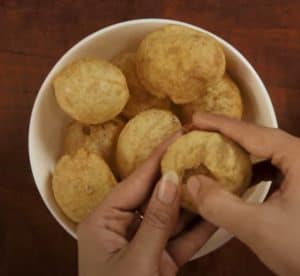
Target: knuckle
x,y
157,218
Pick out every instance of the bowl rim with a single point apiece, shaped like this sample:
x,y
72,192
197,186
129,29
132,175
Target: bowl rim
x,y
102,31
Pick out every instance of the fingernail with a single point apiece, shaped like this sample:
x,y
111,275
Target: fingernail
x,y
193,186
168,186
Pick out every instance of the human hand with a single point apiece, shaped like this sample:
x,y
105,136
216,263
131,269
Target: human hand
x,y
272,229
105,242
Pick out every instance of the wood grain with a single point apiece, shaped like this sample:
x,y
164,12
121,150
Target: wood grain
x,y
34,34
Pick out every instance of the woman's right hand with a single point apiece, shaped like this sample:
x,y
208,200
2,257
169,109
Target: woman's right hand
x,y
272,229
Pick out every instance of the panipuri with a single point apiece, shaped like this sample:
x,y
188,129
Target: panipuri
x,y
80,182
222,98
91,91
140,99
100,139
179,62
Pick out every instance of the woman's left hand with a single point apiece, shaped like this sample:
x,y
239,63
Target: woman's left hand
x,y
111,242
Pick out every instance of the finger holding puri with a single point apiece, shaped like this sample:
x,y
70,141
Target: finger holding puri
x,y
159,219
223,208
185,220
263,142
280,147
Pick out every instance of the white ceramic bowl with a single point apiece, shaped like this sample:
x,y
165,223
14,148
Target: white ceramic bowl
x,y
48,121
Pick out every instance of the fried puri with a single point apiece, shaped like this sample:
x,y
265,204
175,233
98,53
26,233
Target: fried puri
x,y
179,62
223,98
80,182
100,139
141,135
140,99
208,153
91,91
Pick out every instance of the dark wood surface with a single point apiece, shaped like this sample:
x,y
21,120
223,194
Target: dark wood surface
x,y
34,34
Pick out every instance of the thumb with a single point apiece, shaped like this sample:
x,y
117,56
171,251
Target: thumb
x,y
159,219
223,208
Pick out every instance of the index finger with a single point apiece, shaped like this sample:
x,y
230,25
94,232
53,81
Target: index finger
x,y
260,141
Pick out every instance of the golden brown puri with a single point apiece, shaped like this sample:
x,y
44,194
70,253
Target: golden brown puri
x,y
140,99
91,91
209,153
80,182
100,139
179,62
223,98
141,135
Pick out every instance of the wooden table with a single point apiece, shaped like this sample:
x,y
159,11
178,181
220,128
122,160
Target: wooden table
x,y
34,34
